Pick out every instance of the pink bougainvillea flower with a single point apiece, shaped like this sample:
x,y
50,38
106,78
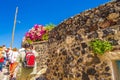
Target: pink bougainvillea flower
x,y
36,33
36,26
32,33
39,29
42,32
32,30
40,25
32,38
27,34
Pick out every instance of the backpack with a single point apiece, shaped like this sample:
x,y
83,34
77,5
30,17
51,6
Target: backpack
x,y
1,59
29,60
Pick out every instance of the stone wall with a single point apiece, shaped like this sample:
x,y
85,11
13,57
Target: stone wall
x,y
41,48
70,57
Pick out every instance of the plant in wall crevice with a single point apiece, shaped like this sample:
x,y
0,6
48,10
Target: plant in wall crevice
x,y
100,46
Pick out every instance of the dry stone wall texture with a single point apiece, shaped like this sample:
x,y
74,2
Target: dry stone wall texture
x,y
70,57
41,48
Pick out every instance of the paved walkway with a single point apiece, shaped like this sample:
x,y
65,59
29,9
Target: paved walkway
x,y
4,74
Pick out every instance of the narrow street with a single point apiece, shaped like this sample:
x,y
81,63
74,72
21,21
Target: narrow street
x,y
4,74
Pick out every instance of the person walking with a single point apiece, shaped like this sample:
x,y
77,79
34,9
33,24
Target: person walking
x,y
1,59
4,54
13,63
26,71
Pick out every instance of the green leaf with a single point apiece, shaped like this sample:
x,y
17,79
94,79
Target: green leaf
x,y
49,27
100,46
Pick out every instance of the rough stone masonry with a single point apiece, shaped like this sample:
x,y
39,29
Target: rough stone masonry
x,y
70,57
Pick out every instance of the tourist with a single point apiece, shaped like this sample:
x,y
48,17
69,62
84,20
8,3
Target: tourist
x,y
14,59
4,54
9,53
1,59
27,73
7,57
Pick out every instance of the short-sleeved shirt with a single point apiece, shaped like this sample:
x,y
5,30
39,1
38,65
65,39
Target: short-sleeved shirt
x,y
26,73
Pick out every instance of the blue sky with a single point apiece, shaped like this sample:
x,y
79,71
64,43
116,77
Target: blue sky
x,y
42,12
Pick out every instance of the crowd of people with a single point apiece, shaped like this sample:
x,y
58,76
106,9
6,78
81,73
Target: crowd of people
x,y
20,67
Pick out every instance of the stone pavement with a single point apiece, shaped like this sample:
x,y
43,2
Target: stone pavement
x,y
4,74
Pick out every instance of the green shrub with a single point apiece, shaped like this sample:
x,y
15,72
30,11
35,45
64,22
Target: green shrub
x,y
48,28
100,47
